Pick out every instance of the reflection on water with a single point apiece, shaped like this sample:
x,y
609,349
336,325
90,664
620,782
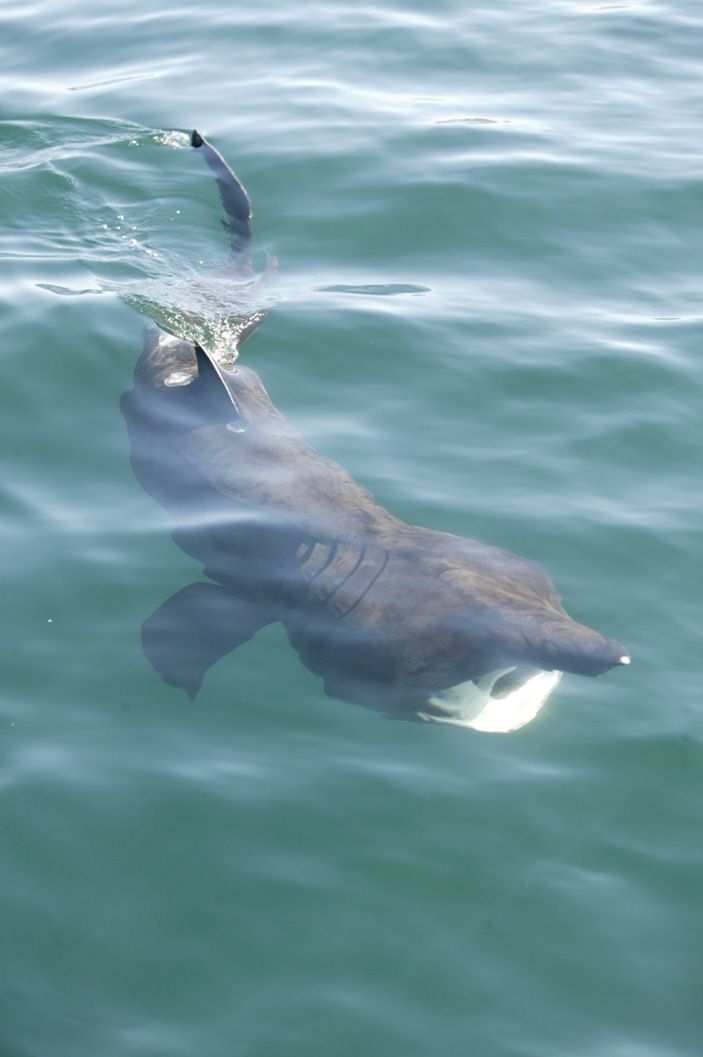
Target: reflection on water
x,y
377,289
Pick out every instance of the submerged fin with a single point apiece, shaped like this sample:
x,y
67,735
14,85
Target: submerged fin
x,y
194,628
235,201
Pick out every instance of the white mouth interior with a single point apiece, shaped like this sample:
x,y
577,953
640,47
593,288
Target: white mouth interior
x,y
472,704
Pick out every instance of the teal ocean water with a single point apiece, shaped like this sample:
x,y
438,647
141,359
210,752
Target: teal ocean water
x,y
489,310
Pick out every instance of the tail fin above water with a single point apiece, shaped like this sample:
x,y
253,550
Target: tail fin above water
x,y
237,207
235,201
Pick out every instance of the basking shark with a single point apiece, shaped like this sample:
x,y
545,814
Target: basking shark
x,y
414,622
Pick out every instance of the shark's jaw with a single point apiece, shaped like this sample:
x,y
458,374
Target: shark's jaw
x,y
476,704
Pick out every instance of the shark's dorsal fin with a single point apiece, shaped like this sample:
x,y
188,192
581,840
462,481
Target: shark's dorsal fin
x,y
216,379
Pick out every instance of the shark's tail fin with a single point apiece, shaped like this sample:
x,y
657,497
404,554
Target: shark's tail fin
x,y
237,223
235,201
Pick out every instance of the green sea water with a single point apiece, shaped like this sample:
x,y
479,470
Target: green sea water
x,y
489,309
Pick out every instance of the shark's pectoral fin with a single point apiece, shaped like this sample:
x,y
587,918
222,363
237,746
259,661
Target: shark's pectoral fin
x,y
194,628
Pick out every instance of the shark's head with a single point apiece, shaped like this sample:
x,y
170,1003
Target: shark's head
x,y
571,647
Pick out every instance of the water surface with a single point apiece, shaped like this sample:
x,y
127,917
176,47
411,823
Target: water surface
x,y
489,310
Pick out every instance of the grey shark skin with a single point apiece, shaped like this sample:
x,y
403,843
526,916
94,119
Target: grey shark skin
x,y
385,612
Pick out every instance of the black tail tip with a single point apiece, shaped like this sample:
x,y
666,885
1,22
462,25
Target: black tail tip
x,y
196,140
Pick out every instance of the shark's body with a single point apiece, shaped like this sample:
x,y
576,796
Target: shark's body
x,y
410,620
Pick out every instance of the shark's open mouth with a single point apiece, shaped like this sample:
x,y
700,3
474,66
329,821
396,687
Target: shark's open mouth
x,y
499,702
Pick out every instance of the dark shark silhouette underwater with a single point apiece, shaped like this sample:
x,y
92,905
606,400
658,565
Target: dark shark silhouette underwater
x,y
413,622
